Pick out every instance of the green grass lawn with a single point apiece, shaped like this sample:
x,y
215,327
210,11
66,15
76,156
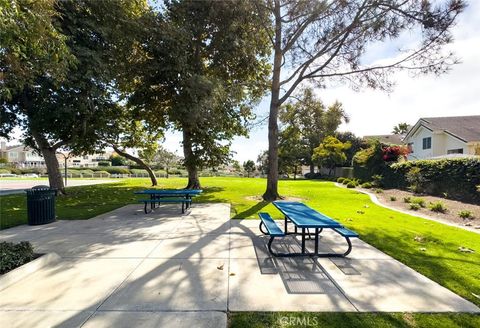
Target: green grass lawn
x,y
428,247
357,320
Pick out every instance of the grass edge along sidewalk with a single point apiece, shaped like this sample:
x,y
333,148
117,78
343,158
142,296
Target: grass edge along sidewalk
x,y
431,248
359,320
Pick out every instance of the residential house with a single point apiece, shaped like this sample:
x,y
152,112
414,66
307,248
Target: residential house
x,y
91,160
25,157
444,137
21,156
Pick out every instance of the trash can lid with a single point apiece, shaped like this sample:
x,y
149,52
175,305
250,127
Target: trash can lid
x,y
41,187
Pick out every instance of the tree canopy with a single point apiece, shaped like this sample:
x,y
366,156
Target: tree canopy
x,y
330,153
75,109
204,71
306,121
249,167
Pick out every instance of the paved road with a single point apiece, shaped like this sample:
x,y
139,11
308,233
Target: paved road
x,y
9,187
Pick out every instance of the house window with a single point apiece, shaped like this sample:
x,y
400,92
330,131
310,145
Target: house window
x,y
455,151
427,143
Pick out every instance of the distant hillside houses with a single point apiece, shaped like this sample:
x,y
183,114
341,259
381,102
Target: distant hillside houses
x,y
25,157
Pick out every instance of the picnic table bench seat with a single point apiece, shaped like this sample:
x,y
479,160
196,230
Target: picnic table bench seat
x,y
273,230
184,202
346,232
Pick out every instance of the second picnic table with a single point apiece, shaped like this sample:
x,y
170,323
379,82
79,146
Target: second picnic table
x,y
157,196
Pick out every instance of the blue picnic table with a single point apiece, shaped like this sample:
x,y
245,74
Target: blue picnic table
x,y
157,196
303,218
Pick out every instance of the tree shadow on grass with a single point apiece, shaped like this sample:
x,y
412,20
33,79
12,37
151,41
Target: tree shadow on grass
x,y
252,210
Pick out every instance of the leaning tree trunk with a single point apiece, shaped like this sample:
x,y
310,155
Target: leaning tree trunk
x,y
193,180
272,178
139,161
51,161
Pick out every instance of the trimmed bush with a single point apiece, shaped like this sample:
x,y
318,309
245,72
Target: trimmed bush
x,y
74,173
351,184
418,200
416,180
139,172
104,163
367,185
35,170
313,176
14,255
378,191
340,180
438,207
5,171
393,198
407,199
111,170
377,180
465,214
346,181
414,206
101,174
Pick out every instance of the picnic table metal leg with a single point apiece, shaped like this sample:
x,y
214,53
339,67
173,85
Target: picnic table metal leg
x,y
316,240
286,226
261,229
303,240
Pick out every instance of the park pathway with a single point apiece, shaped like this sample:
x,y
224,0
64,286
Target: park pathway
x,y
126,269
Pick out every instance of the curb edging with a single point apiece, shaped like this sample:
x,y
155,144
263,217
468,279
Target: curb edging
x,y
23,271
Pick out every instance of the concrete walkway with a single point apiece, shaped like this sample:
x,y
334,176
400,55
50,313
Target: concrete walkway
x,y
126,269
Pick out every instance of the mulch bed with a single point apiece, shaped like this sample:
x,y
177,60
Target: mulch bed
x,y
453,207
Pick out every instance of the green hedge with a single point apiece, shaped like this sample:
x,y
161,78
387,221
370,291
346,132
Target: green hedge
x,y
14,255
450,178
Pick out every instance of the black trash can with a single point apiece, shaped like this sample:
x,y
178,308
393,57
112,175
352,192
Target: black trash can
x,y
41,205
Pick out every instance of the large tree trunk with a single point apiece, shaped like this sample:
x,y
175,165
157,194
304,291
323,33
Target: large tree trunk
x,y
139,161
272,178
49,155
193,180
312,169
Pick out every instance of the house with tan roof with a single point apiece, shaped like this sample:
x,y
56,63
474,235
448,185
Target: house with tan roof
x,y
433,137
